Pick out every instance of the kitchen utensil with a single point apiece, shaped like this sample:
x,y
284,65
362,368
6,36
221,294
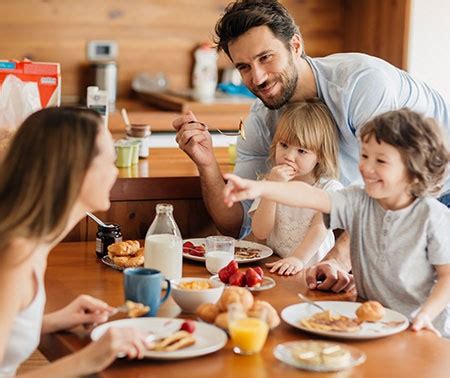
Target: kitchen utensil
x,y
310,301
125,118
240,131
97,220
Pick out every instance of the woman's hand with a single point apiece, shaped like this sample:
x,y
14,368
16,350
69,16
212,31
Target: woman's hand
x,y
288,266
281,173
116,342
423,321
84,310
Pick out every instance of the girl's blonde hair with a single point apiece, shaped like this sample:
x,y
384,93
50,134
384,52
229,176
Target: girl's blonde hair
x,y
310,125
421,144
43,171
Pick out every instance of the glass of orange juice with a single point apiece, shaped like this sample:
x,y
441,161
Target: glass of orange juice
x,y
248,334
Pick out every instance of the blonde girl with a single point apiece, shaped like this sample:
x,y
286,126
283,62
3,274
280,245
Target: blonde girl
x,y
59,165
304,148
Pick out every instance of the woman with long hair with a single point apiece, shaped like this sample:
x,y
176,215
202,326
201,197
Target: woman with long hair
x,y
59,165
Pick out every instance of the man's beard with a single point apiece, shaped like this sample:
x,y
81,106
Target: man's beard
x,y
288,79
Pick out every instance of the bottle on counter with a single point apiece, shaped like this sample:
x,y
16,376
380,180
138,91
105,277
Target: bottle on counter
x,y
98,101
205,73
163,244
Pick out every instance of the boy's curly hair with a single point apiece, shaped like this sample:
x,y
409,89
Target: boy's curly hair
x,y
421,143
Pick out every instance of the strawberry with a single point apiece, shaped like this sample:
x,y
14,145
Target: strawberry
x,y
252,277
237,279
188,244
223,274
259,270
188,326
232,267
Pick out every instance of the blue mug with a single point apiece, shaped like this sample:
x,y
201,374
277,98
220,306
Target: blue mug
x,y
143,285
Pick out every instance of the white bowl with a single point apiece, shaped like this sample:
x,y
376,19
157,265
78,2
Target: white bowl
x,y
189,300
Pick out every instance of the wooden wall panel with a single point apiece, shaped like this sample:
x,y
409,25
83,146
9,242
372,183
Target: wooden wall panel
x,y
153,35
378,27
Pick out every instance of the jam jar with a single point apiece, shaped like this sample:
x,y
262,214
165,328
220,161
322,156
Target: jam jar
x,y
106,236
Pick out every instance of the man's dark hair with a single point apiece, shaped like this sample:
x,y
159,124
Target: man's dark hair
x,y
242,15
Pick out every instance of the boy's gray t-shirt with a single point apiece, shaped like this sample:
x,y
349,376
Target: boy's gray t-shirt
x,y
393,252
355,87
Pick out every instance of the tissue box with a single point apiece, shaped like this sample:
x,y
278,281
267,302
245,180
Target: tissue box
x,y
47,76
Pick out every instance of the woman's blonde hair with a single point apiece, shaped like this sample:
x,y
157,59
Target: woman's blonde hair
x,y
421,144
43,171
310,125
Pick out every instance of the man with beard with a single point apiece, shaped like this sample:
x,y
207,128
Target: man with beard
x,y
265,45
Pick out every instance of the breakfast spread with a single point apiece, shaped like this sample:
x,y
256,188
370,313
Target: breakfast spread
x,y
195,285
327,321
218,313
126,254
321,353
230,274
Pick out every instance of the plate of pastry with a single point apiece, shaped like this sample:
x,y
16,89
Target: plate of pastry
x,y
244,251
169,341
125,254
345,320
318,355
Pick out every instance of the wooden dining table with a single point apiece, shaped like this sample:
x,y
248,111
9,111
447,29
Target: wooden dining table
x,y
73,269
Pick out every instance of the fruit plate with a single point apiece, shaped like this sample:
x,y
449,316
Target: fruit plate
x,y
393,322
286,353
209,338
262,250
266,284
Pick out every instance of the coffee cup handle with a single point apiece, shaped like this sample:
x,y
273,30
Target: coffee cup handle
x,y
169,288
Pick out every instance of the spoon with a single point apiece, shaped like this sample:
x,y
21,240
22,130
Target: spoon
x,y
125,118
310,301
97,220
240,132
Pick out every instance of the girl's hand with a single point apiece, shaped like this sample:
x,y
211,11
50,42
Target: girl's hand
x,y
239,189
288,266
115,342
281,173
423,321
84,310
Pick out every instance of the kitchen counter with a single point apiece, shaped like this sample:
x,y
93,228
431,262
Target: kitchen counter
x,y
167,175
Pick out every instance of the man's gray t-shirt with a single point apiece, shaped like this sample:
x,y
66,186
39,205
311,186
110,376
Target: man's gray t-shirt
x,y
355,87
393,252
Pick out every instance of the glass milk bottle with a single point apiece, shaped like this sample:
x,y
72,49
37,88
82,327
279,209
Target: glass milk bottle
x,y
163,244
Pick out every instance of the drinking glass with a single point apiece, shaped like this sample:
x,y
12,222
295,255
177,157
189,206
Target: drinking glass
x,y
248,333
219,252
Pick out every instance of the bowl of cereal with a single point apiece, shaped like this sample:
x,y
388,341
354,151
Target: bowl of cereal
x,y
191,292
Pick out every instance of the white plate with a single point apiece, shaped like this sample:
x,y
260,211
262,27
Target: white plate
x,y
264,250
209,338
266,284
293,314
283,352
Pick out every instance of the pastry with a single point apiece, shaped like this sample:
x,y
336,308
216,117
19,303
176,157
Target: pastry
x,y
371,311
272,318
127,254
326,321
177,340
208,312
124,248
235,294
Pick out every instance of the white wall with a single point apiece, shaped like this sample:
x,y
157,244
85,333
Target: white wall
x,y
429,43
